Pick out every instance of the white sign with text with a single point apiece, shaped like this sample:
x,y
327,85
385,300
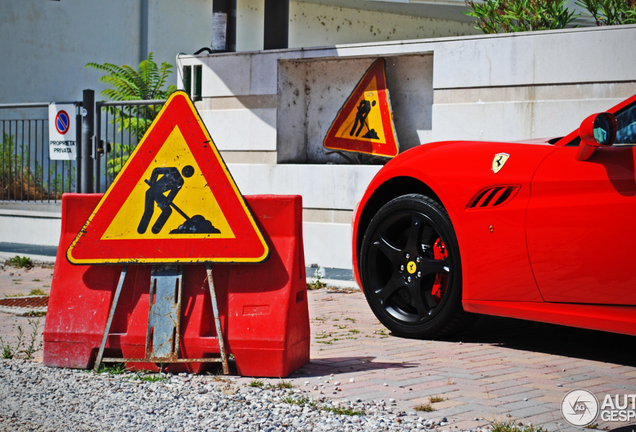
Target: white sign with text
x,y
62,132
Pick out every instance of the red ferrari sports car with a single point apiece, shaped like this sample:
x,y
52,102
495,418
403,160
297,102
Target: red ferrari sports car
x,y
539,230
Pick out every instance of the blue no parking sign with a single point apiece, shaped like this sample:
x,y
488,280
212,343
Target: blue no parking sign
x,y
62,122
62,132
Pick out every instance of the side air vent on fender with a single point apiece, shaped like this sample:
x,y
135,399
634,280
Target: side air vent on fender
x,y
494,196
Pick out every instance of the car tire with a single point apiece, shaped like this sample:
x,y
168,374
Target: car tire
x,y
411,271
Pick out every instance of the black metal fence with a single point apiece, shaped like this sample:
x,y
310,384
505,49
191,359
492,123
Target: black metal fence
x,y
28,174
26,171
119,128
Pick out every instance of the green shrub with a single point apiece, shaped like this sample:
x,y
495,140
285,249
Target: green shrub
x,y
610,12
20,262
506,16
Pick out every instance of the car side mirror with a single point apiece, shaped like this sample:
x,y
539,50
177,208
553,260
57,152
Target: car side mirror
x,y
598,130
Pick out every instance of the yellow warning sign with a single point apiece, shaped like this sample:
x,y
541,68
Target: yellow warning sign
x,y
364,124
174,201
365,121
172,197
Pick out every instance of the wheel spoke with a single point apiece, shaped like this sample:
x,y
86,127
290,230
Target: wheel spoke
x,y
427,238
396,282
413,233
421,306
391,252
429,266
430,300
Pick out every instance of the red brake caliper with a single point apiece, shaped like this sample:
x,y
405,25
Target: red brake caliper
x,y
441,279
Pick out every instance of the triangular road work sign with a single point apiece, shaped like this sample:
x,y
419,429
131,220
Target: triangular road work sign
x,y
364,124
174,201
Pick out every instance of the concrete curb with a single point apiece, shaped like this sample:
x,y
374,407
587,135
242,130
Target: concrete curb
x,y
21,311
36,259
336,283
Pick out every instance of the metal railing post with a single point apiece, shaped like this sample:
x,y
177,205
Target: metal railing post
x,y
98,150
88,112
78,150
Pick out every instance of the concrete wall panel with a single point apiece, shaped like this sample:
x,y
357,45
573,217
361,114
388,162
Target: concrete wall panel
x,y
253,130
312,93
548,57
516,113
16,226
263,76
225,75
327,244
321,186
242,74
410,82
292,114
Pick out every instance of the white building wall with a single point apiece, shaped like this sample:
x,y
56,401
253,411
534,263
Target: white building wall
x,y
499,87
502,87
250,15
313,24
30,227
178,27
46,44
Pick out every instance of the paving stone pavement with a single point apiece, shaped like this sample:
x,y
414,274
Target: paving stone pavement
x,y
500,369
14,282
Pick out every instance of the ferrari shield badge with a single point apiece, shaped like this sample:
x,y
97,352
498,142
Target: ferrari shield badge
x,y
499,161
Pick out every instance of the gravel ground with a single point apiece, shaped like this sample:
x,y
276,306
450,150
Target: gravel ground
x,y
37,398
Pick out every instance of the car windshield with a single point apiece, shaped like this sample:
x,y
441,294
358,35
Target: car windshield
x,y
626,125
626,119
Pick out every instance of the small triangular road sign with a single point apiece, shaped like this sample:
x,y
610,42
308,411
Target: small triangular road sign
x,y
174,201
364,124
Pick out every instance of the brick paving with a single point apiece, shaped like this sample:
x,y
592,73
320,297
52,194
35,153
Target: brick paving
x,y
500,369
21,282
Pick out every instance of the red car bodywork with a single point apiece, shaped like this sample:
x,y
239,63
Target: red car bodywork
x,y
553,244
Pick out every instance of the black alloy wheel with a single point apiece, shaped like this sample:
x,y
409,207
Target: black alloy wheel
x,y
411,269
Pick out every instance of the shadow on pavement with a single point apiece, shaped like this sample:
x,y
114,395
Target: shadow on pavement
x,y
351,364
551,339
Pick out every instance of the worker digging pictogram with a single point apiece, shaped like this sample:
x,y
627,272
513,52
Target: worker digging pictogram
x,y
364,124
170,180
364,108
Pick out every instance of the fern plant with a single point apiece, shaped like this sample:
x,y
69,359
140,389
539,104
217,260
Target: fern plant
x,y
128,84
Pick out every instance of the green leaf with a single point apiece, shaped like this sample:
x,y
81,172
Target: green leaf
x,y
495,16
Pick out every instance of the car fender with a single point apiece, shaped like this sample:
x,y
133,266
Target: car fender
x,y
491,238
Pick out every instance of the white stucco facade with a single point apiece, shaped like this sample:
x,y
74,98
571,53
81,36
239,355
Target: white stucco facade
x,y
268,111
313,24
501,87
46,44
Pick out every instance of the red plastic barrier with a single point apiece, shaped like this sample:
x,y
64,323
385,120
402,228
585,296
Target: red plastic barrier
x,y
262,307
